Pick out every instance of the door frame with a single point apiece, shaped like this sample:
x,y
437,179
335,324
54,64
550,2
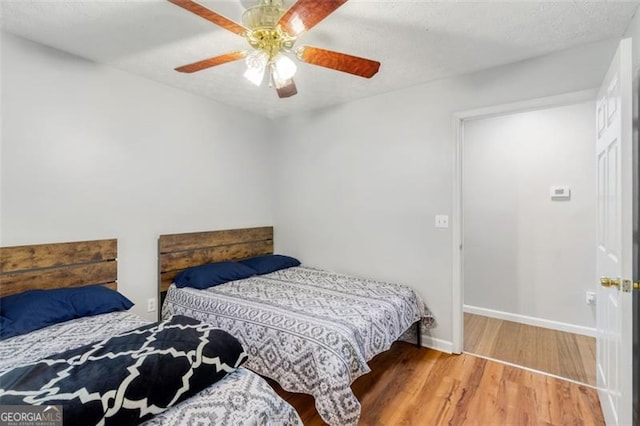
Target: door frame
x,y
636,246
457,228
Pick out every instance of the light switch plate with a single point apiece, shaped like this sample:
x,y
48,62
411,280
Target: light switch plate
x,y
560,193
442,221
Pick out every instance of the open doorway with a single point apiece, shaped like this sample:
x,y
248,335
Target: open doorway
x,y
527,209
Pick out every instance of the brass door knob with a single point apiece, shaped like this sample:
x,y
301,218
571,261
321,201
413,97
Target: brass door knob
x,y
610,282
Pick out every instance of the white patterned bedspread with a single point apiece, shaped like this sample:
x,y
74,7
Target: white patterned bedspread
x,y
241,398
312,331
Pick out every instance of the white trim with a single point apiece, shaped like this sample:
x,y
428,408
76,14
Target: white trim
x,y
437,344
533,370
530,105
457,290
537,322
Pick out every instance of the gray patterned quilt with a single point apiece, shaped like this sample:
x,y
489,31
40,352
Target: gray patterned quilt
x,y
312,331
241,398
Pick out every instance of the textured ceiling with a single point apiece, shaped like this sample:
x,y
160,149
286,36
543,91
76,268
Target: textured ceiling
x,y
416,41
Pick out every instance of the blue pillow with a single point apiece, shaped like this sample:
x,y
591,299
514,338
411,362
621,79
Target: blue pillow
x,y
6,328
270,263
96,300
36,309
212,274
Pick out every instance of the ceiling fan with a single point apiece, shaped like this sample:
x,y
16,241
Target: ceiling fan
x,y
272,32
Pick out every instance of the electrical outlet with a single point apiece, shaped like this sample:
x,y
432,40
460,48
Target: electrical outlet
x,y
591,298
151,304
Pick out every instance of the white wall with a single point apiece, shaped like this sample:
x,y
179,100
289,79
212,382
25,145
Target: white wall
x,y
359,184
524,253
90,152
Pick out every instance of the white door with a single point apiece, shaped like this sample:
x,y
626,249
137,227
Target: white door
x,y
614,239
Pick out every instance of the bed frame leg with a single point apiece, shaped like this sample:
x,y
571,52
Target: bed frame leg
x,y
418,334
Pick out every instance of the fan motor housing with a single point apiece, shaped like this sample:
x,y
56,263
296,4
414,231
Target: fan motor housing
x,y
270,40
262,21
263,15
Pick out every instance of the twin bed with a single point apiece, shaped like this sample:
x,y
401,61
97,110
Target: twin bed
x,y
311,330
240,398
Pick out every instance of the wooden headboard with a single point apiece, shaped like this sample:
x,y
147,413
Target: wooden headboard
x,y
176,252
58,265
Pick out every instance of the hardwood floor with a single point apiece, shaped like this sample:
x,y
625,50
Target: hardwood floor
x,y
563,354
419,386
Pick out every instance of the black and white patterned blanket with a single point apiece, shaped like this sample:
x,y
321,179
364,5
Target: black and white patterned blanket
x,y
313,331
128,378
241,397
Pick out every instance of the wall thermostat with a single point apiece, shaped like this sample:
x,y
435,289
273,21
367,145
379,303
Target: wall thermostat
x,y
560,193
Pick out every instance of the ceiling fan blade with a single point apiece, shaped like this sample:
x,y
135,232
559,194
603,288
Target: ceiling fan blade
x,y
305,14
211,16
212,62
339,61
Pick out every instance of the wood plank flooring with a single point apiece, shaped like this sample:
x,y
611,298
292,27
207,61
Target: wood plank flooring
x,y
419,386
563,354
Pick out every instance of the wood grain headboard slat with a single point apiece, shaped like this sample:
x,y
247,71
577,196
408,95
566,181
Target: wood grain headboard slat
x,y
58,265
186,259
177,252
55,254
66,276
166,279
199,240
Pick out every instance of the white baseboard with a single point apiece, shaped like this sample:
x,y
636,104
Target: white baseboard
x,y
538,322
437,344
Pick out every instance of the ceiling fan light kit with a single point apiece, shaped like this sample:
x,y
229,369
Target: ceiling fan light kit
x,y
272,32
